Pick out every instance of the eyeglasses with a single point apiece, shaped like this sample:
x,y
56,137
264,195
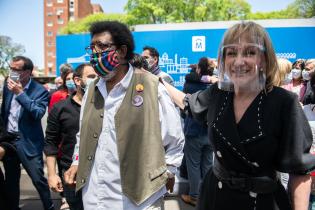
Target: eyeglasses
x,y
15,69
99,47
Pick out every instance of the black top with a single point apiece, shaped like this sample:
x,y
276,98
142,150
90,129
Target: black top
x,y
62,127
273,131
272,135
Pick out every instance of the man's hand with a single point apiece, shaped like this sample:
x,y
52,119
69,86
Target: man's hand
x,y
2,152
170,184
55,183
15,87
70,175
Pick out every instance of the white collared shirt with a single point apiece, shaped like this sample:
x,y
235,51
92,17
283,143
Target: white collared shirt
x,y
103,188
14,115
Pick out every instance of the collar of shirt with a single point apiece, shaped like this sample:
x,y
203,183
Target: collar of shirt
x,y
27,85
124,83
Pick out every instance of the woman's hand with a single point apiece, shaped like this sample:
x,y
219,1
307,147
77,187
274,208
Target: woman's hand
x,y
55,183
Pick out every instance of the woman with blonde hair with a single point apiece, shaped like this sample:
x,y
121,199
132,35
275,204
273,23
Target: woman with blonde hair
x,y
255,128
282,76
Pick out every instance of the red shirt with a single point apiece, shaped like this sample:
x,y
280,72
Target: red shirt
x,y
56,97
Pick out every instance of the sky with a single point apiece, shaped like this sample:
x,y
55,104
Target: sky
x,y
22,20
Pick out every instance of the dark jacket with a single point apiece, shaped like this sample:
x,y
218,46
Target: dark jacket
x,y
33,103
272,135
192,85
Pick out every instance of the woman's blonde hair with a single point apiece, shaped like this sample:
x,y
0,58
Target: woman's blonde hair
x,y
285,67
253,30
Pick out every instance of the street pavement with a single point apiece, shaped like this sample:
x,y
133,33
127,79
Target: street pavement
x,y
30,198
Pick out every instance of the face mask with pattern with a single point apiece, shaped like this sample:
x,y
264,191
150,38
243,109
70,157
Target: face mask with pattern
x,y
104,62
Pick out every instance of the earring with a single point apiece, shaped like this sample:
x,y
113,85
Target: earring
x,y
262,78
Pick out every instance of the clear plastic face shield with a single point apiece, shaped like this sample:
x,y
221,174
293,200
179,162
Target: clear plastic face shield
x,y
242,66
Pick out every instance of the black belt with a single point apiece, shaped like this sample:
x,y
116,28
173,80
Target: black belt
x,y
245,183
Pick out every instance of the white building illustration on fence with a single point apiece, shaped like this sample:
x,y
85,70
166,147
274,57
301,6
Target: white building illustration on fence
x,y
171,66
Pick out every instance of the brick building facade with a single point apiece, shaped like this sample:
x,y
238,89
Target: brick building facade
x,y
57,14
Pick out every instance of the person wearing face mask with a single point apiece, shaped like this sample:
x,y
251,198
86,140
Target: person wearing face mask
x,y
62,126
255,128
130,139
309,110
309,72
197,150
23,106
62,92
297,81
70,84
152,57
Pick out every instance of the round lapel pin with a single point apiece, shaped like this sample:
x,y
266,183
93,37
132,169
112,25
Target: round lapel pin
x,y
139,88
137,101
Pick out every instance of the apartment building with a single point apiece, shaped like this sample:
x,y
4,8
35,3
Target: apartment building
x,y
57,14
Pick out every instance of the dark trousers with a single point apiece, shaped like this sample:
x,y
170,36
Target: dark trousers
x,y
198,155
3,198
73,199
34,167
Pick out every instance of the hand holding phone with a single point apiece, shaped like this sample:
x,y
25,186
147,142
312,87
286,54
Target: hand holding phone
x,y
14,76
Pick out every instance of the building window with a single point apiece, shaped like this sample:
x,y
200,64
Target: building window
x,y
71,8
59,1
50,24
60,21
49,14
50,64
50,33
49,3
49,43
49,53
59,11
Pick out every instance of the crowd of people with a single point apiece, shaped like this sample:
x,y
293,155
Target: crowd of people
x,y
241,131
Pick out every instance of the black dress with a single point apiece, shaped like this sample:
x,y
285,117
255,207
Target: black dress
x,y
273,135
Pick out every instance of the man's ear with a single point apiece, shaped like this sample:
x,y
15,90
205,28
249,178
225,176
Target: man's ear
x,y
155,60
77,81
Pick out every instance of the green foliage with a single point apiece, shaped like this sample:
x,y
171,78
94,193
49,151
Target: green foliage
x,y
177,11
8,49
83,25
297,9
303,8
166,11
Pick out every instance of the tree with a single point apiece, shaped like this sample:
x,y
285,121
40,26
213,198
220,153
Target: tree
x,y
84,24
8,49
177,11
303,8
165,11
297,9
